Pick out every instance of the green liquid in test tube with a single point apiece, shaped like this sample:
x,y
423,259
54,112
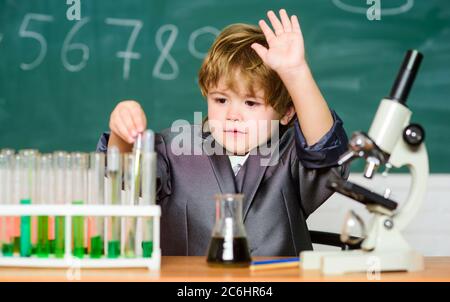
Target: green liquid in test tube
x,y
43,245
27,171
148,189
114,181
61,165
25,232
96,197
79,181
45,188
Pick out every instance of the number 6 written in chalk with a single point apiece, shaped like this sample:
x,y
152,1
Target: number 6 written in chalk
x,y
68,46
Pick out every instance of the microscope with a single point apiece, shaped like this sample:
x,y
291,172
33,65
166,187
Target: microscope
x,y
392,141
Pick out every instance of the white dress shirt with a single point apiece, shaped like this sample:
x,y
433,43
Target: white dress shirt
x,y
237,161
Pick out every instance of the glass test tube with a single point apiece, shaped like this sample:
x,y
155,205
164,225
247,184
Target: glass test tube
x,y
131,175
114,180
60,170
13,222
44,195
27,169
148,189
6,238
2,199
79,186
6,190
68,193
96,197
50,200
16,200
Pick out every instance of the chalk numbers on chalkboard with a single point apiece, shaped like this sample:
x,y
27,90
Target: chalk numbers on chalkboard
x,y
24,32
165,59
68,47
128,54
165,53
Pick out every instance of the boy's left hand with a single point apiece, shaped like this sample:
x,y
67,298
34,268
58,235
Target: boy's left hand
x,y
286,51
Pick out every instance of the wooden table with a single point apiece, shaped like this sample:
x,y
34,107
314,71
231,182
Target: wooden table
x,y
195,269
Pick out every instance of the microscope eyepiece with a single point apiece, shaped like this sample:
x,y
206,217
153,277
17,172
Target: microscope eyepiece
x,y
405,77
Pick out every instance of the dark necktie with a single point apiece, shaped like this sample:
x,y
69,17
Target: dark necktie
x,y
239,178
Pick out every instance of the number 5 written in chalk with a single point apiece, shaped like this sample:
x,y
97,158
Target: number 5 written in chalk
x,y
26,33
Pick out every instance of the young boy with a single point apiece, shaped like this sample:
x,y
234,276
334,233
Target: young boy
x,y
250,77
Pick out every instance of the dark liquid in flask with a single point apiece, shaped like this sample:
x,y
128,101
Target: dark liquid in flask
x,y
228,253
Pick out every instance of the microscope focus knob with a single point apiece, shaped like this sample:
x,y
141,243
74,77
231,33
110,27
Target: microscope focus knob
x,y
414,134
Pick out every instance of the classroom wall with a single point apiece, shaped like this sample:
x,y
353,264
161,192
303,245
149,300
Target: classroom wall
x,y
429,231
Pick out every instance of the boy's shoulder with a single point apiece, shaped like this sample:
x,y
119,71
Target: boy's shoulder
x,y
181,139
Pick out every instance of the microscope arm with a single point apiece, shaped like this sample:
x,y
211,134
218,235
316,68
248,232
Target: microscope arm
x,y
417,163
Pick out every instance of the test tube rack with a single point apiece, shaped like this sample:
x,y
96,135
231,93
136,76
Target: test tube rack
x,y
69,211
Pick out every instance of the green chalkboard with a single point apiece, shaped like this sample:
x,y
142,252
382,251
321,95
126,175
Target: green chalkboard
x,y
60,79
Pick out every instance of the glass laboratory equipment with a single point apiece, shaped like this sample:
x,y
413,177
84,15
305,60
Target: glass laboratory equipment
x,y
44,195
27,166
7,162
79,173
62,184
96,194
131,186
148,189
114,180
228,246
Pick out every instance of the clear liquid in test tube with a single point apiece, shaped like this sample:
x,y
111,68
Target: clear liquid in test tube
x,y
131,186
148,189
96,197
114,197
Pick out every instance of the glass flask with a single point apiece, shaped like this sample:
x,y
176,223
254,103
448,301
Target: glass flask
x,y
228,246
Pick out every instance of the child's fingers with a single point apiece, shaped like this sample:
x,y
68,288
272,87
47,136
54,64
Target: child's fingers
x,y
260,50
143,122
276,24
121,130
138,117
126,119
295,24
268,33
285,21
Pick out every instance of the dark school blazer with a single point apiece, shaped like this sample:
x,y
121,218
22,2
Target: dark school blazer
x,y
278,198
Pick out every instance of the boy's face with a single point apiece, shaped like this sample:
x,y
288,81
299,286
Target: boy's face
x,y
237,120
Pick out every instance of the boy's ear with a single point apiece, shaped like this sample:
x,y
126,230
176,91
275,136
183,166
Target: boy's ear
x,y
287,117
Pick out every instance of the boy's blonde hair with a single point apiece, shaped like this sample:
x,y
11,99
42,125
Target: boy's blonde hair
x,y
231,52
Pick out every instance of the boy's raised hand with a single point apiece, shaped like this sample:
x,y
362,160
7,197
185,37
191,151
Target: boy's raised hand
x,y
286,49
127,120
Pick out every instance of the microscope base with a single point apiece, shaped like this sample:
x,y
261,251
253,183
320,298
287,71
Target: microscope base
x,y
337,263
